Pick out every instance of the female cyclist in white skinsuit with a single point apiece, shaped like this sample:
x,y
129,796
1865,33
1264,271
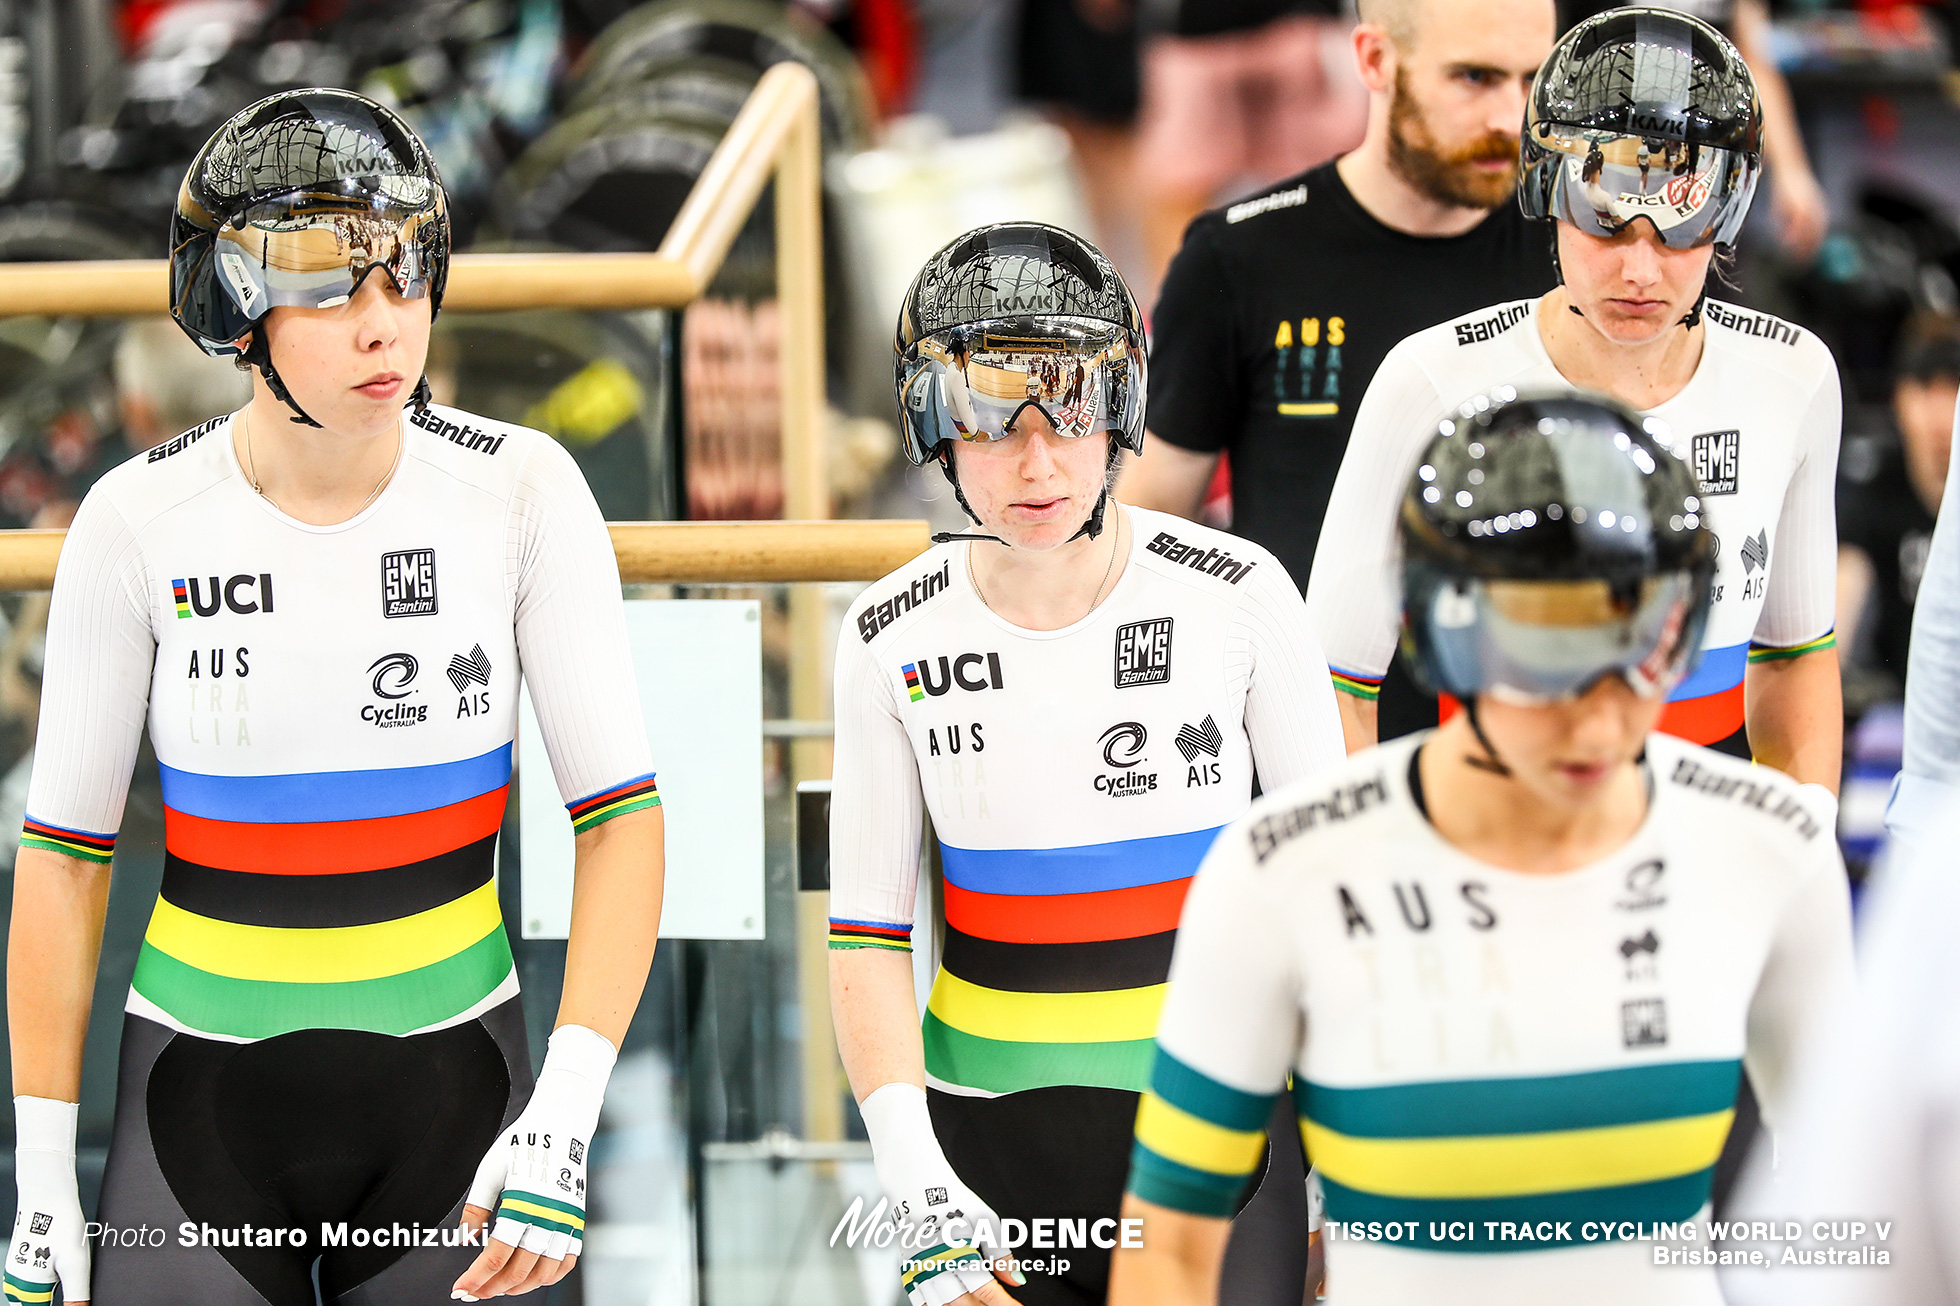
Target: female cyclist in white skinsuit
x,y
319,606
1079,696
1643,142
1513,966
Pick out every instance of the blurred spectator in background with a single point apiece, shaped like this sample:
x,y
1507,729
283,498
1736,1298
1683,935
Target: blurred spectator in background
x,y
1278,309
1236,95
1889,487
1796,200
1078,60
165,385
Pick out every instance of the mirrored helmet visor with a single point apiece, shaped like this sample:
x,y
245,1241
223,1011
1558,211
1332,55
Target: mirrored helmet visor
x,y
1692,194
974,382
1546,641
311,249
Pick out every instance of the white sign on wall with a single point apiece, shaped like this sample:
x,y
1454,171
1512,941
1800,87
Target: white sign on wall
x,y
699,667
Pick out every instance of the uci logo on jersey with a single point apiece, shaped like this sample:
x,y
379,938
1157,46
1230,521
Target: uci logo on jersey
x,y
202,597
966,671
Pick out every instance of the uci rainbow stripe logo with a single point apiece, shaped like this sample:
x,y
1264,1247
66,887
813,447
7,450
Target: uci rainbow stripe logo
x,y
911,670
183,598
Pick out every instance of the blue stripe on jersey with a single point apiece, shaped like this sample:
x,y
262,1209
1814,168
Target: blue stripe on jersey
x,y
334,795
1719,669
1089,868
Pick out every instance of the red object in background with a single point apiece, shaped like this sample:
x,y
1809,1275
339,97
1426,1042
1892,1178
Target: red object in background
x,y
887,41
1705,720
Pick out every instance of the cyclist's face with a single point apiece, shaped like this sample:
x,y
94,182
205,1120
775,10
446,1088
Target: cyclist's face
x,y
1630,287
1566,753
353,366
1034,489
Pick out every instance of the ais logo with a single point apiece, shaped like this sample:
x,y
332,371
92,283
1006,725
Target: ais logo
x,y
203,597
968,671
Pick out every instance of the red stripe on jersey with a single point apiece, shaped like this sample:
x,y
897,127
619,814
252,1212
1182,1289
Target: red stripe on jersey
x,y
1066,917
332,847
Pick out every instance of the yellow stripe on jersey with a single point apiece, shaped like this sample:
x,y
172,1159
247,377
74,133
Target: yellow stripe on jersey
x,y
1511,1165
1112,1016
1179,1136
328,955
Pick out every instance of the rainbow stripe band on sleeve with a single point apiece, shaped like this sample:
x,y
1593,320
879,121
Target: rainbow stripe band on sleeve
x,y
1349,682
1197,1140
637,793
88,846
1771,653
870,934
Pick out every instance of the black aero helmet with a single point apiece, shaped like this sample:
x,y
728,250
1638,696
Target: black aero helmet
x,y
1011,316
293,201
1643,113
1547,542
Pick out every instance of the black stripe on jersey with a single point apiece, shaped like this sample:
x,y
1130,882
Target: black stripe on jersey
x,y
1060,967
321,901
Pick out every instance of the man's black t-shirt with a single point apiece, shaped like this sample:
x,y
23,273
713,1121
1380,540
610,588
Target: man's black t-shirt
x,y
1276,313
1272,320
1879,512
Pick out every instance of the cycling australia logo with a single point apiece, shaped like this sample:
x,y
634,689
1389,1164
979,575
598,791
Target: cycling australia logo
x,y
392,677
200,596
1143,653
408,583
465,670
1122,751
935,676
1203,740
1717,457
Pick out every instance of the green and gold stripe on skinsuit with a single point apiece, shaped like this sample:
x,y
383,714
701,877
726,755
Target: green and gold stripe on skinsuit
x,y
1632,1144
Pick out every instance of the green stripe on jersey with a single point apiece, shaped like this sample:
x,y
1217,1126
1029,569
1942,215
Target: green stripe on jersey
x,y
1156,1178
1193,1091
998,1066
255,1009
1465,1108
1663,1201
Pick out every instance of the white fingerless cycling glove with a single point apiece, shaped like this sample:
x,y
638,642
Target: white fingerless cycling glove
x,y
49,1241
534,1174
937,1215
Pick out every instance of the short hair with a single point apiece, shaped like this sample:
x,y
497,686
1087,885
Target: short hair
x,y
1396,17
185,386
1929,348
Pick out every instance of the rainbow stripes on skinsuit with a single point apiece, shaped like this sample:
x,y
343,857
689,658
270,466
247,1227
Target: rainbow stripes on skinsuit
x,y
1637,1143
1707,707
1055,962
869,934
85,844
1353,682
339,899
638,793
183,599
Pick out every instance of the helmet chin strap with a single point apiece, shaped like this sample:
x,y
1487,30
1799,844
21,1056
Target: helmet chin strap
x,y
1092,528
1689,322
1492,763
259,354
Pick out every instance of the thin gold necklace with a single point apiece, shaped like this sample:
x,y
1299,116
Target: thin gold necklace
x,y
1115,547
252,471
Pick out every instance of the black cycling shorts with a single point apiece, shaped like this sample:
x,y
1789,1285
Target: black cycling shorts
x,y
1064,1154
275,1145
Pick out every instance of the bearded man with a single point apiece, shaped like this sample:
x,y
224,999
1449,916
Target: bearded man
x,y
1277,309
